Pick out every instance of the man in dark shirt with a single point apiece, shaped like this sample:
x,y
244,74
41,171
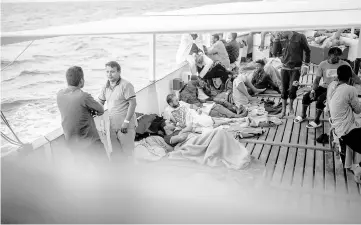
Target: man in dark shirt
x,y
232,48
261,79
77,109
292,57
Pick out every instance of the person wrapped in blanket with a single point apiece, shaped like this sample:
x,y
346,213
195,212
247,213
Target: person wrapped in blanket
x,y
327,71
195,92
204,147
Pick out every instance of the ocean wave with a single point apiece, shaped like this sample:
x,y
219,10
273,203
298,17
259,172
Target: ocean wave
x,y
13,104
42,83
25,73
5,62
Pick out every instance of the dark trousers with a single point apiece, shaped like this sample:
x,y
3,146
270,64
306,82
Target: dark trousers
x,y
320,98
290,83
352,140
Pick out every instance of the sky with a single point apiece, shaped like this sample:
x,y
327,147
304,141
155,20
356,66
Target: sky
x,y
16,1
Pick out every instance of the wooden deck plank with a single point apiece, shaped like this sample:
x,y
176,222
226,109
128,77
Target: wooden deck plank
x,y
290,159
330,180
268,136
339,174
301,156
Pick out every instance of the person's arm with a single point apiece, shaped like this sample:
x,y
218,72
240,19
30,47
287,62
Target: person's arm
x,y
306,49
101,97
91,104
208,64
354,102
242,88
214,49
319,74
129,95
178,138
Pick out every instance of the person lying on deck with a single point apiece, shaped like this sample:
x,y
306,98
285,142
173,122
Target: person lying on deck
x,y
215,147
180,112
343,103
261,79
327,70
194,93
218,52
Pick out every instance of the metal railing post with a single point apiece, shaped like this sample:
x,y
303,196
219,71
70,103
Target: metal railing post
x,y
152,57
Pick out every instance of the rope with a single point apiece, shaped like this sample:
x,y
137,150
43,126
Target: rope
x,y
17,56
18,142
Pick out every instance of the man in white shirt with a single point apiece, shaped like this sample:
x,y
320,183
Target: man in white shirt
x,y
327,71
183,113
121,100
343,104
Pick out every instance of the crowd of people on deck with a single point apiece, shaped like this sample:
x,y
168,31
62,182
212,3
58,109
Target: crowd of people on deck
x,y
216,94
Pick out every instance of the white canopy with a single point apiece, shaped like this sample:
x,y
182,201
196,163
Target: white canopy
x,y
249,16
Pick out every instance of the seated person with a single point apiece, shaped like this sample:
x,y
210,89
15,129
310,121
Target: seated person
x,y
327,70
232,47
261,79
194,92
206,68
343,103
180,112
241,97
218,52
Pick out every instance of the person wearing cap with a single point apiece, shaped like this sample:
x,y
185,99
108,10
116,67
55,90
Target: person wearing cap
x,y
121,101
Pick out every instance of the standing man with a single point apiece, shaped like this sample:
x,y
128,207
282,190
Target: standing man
x,y
120,97
77,109
295,45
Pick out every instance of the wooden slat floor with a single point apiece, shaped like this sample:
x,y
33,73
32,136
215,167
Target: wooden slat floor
x,y
297,163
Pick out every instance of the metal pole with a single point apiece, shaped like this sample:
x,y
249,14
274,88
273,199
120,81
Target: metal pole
x,y
152,57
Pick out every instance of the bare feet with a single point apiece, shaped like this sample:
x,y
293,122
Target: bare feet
x,y
292,111
283,114
259,91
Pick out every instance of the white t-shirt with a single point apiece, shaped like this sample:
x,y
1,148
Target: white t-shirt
x,y
328,72
185,115
238,97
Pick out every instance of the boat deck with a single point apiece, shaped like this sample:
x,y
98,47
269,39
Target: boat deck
x,y
295,161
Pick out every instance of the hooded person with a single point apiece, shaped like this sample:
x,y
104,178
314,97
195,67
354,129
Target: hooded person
x,y
190,43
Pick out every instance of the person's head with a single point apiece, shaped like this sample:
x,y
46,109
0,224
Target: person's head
x,y
334,55
169,127
215,38
113,71
75,76
285,34
232,36
260,64
199,57
194,36
344,74
173,100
